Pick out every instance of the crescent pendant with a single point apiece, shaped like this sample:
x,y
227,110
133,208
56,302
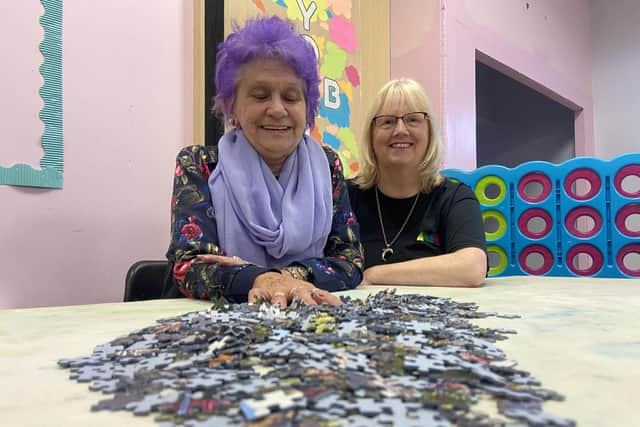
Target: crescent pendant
x,y
385,253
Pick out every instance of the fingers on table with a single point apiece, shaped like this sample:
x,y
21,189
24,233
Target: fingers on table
x,y
269,295
309,295
279,297
325,297
315,296
305,295
257,295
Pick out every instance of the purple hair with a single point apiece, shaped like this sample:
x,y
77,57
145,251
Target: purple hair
x,y
264,38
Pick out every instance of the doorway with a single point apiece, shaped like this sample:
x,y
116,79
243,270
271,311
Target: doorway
x,y
516,124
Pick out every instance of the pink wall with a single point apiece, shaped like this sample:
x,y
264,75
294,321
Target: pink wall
x,y
416,46
20,35
127,82
546,46
616,66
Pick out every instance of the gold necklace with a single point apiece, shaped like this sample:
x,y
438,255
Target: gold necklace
x,y
387,250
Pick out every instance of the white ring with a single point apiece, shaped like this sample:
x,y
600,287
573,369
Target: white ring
x,y
279,294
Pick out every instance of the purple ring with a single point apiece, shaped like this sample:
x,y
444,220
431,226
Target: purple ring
x,y
622,174
526,216
541,250
541,179
574,214
622,215
632,248
586,174
592,251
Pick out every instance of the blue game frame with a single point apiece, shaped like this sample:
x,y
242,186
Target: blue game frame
x,y
607,203
52,162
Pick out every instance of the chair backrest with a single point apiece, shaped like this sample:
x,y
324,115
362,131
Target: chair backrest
x,y
145,280
572,219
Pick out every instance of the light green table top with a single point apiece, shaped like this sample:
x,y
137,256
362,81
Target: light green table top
x,y
580,337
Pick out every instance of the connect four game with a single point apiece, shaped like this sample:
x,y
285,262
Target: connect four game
x,y
578,218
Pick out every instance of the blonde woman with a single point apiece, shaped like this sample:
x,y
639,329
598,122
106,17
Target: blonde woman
x,y
416,226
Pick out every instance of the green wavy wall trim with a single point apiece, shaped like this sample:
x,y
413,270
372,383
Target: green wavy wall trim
x,y
52,163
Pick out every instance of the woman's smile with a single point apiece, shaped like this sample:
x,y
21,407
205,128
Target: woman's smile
x,y
270,109
401,145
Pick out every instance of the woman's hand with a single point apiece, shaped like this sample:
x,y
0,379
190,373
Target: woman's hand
x,y
276,287
221,259
282,289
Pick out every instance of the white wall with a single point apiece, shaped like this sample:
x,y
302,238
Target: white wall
x,y
615,29
127,82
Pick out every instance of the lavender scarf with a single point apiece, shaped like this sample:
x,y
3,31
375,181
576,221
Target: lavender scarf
x,y
268,221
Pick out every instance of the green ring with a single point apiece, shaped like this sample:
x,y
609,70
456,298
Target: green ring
x,y
502,265
502,224
484,183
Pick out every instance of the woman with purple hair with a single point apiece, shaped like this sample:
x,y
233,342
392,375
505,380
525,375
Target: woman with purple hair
x,y
266,212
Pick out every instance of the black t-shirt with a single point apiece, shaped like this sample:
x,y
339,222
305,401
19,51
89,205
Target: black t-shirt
x,y
444,220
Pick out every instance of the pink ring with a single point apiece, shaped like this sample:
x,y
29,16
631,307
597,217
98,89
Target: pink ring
x,y
527,215
622,215
592,251
541,250
583,173
622,174
541,179
632,248
574,214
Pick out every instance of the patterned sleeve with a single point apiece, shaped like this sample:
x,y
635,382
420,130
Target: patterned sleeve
x,y
342,266
194,231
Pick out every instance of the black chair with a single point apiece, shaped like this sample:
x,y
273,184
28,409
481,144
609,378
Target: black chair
x,y
146,280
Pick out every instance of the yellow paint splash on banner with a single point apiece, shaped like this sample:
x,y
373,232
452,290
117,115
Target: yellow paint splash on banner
x,y
335,60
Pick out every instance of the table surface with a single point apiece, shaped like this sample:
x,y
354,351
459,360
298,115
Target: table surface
x,y
580,337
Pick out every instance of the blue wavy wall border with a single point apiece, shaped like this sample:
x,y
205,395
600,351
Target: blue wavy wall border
x,y
52,163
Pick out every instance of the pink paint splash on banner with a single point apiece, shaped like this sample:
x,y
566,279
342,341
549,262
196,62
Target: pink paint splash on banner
x,y
352,75
343,33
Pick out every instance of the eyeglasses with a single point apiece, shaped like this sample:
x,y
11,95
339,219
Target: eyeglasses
x,y
411,120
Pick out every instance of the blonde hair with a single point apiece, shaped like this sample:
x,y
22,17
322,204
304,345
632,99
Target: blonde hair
x,y
410,93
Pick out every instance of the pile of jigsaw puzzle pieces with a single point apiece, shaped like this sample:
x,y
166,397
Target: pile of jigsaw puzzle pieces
x,y
405,360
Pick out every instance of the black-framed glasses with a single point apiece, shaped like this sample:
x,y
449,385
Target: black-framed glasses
x,y
411,120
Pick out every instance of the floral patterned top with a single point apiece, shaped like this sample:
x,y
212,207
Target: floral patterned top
x,y
194,231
